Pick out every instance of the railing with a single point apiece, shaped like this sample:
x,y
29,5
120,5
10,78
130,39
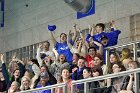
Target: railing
x,y
51,87
85,81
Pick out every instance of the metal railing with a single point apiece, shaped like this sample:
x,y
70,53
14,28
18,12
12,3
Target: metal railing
x,y
51,87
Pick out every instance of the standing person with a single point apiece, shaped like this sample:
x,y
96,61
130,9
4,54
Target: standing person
x,y
91,54
44,49
62,47
65,78
3,84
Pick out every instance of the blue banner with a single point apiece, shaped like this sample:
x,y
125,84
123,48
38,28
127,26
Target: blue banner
x,y
2,13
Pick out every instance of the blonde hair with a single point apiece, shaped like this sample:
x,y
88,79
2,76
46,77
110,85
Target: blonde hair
x,y
22,86
125,53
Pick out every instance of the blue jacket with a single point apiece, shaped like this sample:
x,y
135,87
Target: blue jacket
x,y
43,91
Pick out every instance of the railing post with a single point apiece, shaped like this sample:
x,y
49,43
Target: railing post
x,y
135,51
65,89
85,87
52,90
136,82
72,88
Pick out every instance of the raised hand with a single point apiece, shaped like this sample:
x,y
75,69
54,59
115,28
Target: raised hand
x,y
40,45
2,57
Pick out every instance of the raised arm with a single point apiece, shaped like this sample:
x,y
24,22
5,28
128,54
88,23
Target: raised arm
x,y
100,47
38,55
113,26
4,71
75,33
130,83
53,39
68,42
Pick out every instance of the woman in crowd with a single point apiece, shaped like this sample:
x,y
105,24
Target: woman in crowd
x,y
25,83
113,58
97,86
14,87
117,83
57,66
98,61
125,57
65,78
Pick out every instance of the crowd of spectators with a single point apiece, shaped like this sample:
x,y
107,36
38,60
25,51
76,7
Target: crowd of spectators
x,y
74,57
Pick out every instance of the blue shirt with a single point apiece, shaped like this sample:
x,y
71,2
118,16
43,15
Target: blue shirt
x,y
62,48
43,91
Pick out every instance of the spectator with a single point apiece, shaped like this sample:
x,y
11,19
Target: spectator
x,y
65,78
3,84
62,47
125,57
91,54
98,61
56,67
118,83
14,87
44,81
75,59
113,57
97,86
16,74
45,55
25,83
77,75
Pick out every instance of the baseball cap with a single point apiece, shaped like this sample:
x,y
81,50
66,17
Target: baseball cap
x,y
103,37
44,75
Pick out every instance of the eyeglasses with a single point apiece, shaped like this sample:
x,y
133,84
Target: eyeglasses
x,y
115,67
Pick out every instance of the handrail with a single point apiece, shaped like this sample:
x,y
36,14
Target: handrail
x,y
87,80
46,88
123,45
107,76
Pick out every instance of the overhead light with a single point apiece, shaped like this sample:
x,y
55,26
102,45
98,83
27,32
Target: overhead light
x,y
82,6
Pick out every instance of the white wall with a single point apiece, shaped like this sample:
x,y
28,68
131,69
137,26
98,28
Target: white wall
x,y
28,25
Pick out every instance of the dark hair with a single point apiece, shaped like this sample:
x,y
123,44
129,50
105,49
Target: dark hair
x,y
35,61
100,57
81,57
13,78
120,66
65,57
62,34
48,43
42,55
92,48
61,80
98,69
103,37
78,55
101,25
88,69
